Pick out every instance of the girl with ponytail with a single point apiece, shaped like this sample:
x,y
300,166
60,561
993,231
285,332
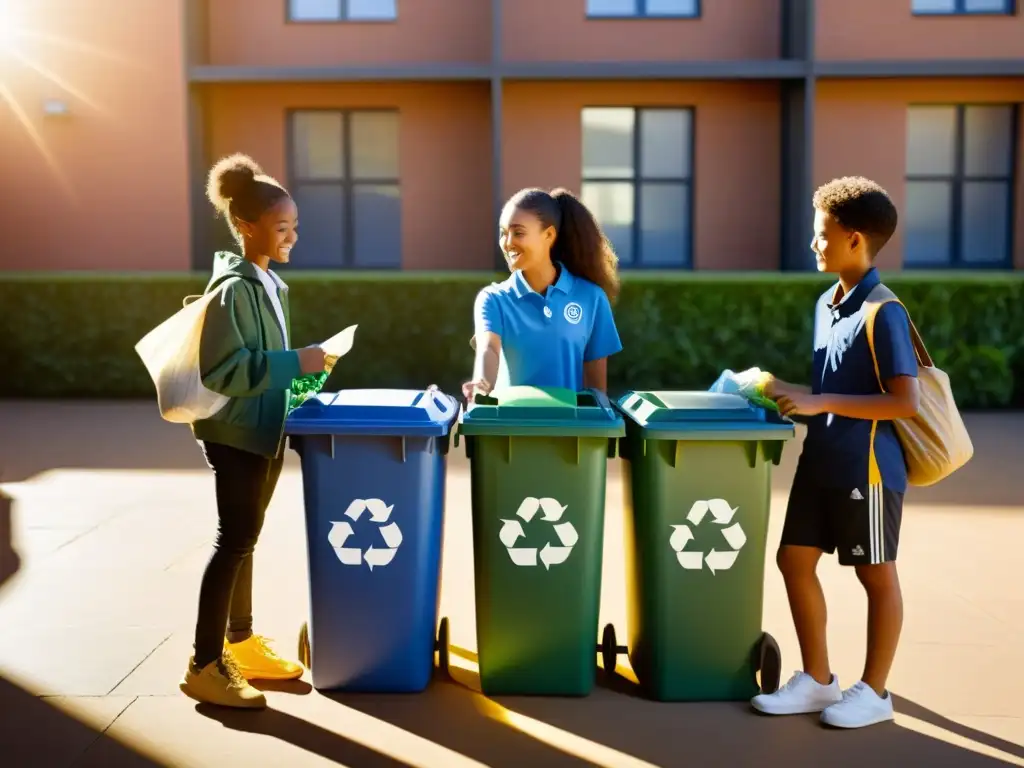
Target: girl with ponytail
x,y
550,323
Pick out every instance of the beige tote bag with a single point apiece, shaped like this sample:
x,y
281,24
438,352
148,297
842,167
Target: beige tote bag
x,y
170,353
935,441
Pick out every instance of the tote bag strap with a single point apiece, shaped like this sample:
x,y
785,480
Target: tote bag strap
x,y
875,305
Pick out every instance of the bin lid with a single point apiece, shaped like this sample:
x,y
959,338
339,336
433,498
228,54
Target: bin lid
x,y
657,407
542,411
410,412
676,412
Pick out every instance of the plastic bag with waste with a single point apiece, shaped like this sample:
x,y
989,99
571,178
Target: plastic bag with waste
x,y
749,383
306,387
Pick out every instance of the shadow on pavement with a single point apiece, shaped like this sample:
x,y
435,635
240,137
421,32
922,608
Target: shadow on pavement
x,y
292,687
911,709
302,734
34,733
603,729
94,435
600,730
462,720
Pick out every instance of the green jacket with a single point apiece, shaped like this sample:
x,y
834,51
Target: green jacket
x,y
242,355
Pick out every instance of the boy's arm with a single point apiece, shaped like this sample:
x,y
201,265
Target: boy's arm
x,y
897,367
899,402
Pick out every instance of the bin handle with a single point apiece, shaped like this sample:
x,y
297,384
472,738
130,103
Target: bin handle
x,y
603,402
430,404
455,429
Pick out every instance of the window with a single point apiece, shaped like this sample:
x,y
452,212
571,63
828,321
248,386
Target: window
x,y
342,10
959,208
344,178
637,180
962,7
643,8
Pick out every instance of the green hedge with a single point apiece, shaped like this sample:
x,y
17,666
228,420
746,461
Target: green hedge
x,y
72,335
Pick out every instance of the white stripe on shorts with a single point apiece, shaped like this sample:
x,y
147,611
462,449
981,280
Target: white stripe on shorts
x,y
876,526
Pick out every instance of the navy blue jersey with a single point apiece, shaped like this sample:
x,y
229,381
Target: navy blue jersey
x,y
837,448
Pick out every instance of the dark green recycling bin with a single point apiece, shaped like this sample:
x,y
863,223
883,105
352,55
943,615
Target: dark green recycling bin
x,y
697,480
538,462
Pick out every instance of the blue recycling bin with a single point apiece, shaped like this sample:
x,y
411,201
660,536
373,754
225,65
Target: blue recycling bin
x,y
374,463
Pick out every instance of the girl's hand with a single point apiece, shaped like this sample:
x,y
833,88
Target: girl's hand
x,y
470,388
312,359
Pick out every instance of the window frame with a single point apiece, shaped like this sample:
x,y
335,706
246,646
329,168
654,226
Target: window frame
x,y
348,183
637,180
641,13
960,9
958,178
343,18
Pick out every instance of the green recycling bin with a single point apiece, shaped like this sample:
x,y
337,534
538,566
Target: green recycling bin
x,y
697,480
539,460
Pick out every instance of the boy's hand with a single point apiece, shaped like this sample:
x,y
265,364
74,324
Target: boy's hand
x,y
776,388
800,405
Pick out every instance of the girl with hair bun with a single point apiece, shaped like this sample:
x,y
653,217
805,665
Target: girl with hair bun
x,y
244,355
550,324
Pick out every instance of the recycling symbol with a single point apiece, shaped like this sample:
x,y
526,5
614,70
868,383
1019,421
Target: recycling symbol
x,y
390,533
717,559
550,554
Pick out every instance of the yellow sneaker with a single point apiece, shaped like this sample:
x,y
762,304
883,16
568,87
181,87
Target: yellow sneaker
x,y
220,683
257,660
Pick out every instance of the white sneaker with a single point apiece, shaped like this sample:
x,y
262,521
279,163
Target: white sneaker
x,y
860,707
801,695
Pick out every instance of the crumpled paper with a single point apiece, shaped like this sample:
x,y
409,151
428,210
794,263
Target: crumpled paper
x,y
335,348
749,383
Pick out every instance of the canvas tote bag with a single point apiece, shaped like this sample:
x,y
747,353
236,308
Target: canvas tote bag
x,y
170,353
935,441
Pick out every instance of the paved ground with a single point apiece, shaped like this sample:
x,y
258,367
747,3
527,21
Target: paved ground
x,y
112,516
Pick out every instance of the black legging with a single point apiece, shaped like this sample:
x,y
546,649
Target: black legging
x,y
245,483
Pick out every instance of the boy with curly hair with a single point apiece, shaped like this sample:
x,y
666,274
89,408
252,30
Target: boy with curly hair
x,y
847,494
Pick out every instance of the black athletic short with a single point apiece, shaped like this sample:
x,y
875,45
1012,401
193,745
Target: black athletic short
x,y
863,523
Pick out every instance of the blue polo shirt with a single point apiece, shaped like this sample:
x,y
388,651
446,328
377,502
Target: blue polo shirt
x,y
545,339
836,449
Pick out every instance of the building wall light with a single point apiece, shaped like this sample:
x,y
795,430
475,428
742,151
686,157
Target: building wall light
x,y
55,108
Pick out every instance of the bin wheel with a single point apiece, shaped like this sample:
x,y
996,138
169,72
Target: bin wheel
x,y
609,649
770,664
304,655
443,645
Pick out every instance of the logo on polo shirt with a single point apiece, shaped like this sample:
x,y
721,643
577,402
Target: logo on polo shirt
x,y
573,312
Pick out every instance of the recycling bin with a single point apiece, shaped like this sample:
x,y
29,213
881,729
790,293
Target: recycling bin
x,y
697,480
538,463
374,464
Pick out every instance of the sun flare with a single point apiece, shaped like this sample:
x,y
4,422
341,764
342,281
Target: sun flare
x,y
11,23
